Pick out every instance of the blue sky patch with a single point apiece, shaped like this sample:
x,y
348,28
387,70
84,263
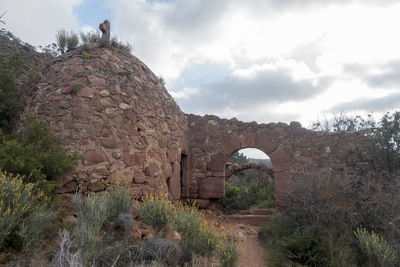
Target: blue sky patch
x,y
92,13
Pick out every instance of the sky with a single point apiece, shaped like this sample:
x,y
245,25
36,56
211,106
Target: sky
x,y
258,60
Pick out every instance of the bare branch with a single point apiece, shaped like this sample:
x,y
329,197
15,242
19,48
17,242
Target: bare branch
x,y
2,21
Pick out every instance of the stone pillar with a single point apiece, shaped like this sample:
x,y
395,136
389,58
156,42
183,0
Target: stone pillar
x,y
105,38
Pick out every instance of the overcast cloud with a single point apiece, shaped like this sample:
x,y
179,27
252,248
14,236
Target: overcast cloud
x,y
263,60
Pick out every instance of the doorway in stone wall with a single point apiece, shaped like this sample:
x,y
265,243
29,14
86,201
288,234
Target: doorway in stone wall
x,y
249,181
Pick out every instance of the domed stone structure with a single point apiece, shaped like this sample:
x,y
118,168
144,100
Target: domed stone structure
x,y
110,108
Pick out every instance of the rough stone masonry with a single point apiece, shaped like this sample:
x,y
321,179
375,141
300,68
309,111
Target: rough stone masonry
x,y
113,111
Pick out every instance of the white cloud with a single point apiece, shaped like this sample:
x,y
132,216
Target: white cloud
x,y
285,60
36,22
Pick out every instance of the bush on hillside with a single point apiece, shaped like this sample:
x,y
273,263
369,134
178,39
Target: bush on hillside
x,y
157,212
241,197
67,41
383,144
35,153
93,235
326,209
374,245
24,213
11,67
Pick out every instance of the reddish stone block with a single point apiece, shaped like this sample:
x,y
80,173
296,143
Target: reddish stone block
x,y
151,170
174,182
280,160
93,157
212,187
135,159
217,162
81,110
109,143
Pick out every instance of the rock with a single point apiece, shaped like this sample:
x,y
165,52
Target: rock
x,y
70,187
109,143
212,187
81,111
96,186
151,170
96,81
117,178
134,159
104,93
160,250
124,106
86,92
176,236
93,157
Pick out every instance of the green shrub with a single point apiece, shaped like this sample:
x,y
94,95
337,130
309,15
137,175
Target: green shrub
x,y
85,55
289,244
383,143
65,40
198,237
121,45
97,233
34,227
228,254
92,216
8,94
76,88
23,211
332,206
90,37
62,40
119,200
236,198
35,153
374,245
156,212
72,41
240,197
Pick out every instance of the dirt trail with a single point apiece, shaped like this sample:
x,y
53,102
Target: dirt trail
x,y
252,253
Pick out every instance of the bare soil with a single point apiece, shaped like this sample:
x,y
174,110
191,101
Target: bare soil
x,y
252,253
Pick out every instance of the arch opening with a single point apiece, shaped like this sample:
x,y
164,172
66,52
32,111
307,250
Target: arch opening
x,y
249,181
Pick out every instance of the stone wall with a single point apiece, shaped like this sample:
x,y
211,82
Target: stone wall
x,y
112,110
294,151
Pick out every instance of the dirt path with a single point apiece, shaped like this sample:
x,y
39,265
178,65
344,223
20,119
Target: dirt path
x,y
252,253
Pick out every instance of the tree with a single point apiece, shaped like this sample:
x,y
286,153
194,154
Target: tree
x,y
238,157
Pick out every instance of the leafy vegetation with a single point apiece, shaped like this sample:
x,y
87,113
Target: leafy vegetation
x,y
67,41
340,220
199,238
375,246
35,153
156,212
252,186
24,213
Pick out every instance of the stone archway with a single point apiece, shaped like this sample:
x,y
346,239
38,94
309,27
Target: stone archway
x,y
214,186
295,153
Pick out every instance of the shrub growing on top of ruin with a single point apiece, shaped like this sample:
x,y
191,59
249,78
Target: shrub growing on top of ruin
x,y
72,41
66,40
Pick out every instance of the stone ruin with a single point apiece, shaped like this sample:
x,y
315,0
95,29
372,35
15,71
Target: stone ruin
x,y
113,111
